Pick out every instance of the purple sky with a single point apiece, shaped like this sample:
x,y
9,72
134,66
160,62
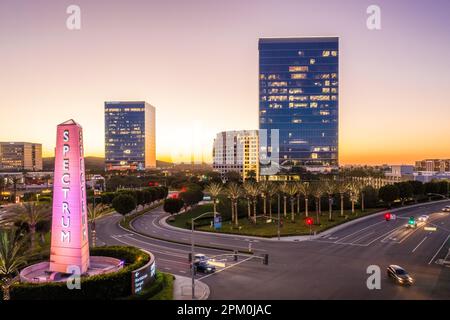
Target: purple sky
x,y
196,62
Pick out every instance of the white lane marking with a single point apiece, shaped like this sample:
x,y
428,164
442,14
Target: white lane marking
x,y
384,235
174,261
358,231
445,241
152,249
360,238
175,253
182,271
419,244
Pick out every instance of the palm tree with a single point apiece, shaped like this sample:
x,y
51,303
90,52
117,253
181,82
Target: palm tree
x,y
304,189
214,189
252,190
353,189
32,213
317,193
249,199
234,191
342,188
265,187
12,257
284,189
95,213
273,190
329,187
292,192
361,187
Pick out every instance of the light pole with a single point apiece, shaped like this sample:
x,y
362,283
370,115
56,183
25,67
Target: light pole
x,y
192,252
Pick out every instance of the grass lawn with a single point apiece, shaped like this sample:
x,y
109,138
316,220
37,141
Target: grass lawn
x,y
264,229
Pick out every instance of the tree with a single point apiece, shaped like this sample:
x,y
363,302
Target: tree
x,y
251,176
191,197
304,189
124,203
354,191
232,176
389,193
342,188
12,257
264,187
317,192
252,191
214,189
418,187
329,188
273,190
284,189
405,191
32,213
172,205
292,192
95,213
234,191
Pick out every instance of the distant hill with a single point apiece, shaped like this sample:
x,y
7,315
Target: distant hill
x,y
92,163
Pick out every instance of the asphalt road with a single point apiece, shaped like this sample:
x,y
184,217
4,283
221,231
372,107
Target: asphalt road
x,y
332,267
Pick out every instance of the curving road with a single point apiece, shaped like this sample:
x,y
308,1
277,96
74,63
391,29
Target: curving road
x,y
329,267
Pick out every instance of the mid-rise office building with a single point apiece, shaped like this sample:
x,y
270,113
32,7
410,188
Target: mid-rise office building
x,y
18,156
433,165
236,151
298,95
129,135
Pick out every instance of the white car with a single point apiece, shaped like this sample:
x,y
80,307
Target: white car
x,y
423,218
446,209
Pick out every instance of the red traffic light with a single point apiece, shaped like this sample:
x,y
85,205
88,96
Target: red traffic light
x,y
387,216
309,221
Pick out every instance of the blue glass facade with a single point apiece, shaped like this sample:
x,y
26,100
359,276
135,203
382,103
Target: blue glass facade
x,y
299,94
129,135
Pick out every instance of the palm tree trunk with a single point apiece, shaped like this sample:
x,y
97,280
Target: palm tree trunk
x,y
362,201
320,206
232,211
270,208
342,204
298,204
254,209
330,208
353,206
265,205
5,289
215,208
306,207
32,236
236,213
249,210
284,207
292,210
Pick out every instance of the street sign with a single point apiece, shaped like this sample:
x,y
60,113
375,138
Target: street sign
x,y
217,221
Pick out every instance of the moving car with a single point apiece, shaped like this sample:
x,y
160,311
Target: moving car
x,y
200,257
399,275
204,267
446,209
423,218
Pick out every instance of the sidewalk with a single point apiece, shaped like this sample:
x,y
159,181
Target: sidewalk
x,y
182,289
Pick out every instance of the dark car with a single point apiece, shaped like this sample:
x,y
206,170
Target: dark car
x,y
204,267
399,275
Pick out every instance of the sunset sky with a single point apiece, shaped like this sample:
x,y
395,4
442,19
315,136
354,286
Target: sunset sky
x,y
197,63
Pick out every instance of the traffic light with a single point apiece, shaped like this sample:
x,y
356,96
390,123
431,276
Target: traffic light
x,y
309,221
266,259
387,216
412,221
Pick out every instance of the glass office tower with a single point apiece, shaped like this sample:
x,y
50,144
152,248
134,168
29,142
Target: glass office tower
x,y
129,136
298,95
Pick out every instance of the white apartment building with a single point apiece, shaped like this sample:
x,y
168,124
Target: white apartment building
x,y
237,151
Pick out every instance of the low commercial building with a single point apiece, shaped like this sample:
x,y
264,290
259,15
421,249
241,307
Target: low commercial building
x,y
237,151
20,156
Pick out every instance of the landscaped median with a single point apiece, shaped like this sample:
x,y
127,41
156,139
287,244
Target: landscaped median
x,y
266,227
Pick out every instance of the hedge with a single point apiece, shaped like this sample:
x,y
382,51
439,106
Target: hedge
x,y
161,287
104,286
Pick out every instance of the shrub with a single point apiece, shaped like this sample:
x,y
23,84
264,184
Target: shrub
x,y
105,286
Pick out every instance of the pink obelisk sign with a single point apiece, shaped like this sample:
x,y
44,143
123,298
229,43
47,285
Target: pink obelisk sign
x,y
70,243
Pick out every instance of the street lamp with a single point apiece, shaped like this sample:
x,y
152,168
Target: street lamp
x,y
192,252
